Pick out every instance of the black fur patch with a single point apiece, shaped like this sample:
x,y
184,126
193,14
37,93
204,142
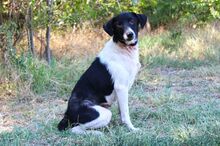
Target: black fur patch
x,y
91,89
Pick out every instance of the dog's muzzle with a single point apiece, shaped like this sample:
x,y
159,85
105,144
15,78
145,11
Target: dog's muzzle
x,y
129,36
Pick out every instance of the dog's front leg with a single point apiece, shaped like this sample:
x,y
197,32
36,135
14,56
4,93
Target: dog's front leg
x,y
122,95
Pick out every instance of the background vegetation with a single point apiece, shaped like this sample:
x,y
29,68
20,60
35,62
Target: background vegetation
x,y
46,46
19,17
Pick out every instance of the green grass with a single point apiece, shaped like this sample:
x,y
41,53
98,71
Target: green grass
x,y
182,48
174,101
165,119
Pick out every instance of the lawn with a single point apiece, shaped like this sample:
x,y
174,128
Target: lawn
x,y
174,101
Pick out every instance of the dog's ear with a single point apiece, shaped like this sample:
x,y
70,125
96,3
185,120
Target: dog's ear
x,y
142,19
108,27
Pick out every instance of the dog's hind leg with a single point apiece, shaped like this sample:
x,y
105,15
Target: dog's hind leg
x,y
63,124
102,120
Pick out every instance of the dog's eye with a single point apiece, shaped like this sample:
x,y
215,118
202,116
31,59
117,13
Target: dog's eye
x,y
118,24
131,21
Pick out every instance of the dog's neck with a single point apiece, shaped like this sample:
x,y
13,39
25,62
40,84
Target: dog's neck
x,y
114,50
129,48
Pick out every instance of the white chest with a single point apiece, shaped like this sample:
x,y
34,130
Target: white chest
x,y
122,64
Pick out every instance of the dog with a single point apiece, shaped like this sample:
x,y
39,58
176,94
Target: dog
x,y
108,79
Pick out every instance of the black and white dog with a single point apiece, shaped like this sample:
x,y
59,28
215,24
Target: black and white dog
x,y
108,79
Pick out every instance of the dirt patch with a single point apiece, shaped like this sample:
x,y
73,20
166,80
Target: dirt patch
x,y
185,81
25,114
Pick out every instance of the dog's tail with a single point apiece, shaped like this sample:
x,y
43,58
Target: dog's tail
x,y
64,123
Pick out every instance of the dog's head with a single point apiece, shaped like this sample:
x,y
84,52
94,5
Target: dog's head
x,y
124,27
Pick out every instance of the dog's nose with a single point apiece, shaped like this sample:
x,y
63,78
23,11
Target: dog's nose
x,y
130,35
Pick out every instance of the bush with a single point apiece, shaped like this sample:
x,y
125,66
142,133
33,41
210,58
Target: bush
x,y
159,11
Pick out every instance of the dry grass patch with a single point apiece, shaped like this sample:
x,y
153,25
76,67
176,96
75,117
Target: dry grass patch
x,y
69,43
182,48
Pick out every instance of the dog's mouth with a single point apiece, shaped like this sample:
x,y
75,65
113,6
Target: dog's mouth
x,y
132,42
128,46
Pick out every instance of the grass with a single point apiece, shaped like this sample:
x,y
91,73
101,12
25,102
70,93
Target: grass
x,y
175,99
182,48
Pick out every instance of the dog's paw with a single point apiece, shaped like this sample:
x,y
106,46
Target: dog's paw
x,y
134,129
82,131
95,133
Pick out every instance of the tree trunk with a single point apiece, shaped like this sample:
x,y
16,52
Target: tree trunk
x,y
30,31
1,12
1,36
47,49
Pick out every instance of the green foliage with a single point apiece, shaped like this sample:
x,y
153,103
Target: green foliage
x,y
59,77
74,13
195,11
159,11
78,11
7,32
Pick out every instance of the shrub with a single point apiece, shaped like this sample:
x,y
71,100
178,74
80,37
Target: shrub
x,y
159,11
